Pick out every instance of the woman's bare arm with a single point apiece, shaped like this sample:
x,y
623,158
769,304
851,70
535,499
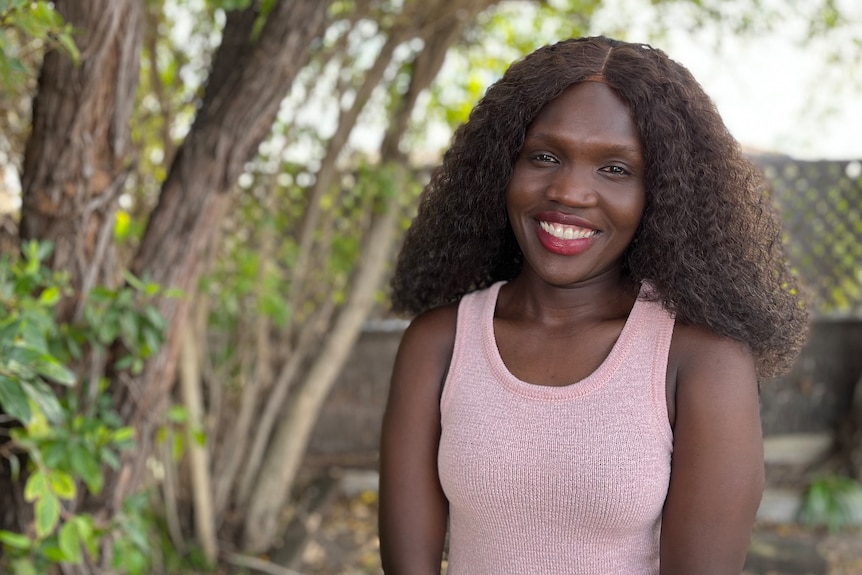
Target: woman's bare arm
x,y
717,470
413,508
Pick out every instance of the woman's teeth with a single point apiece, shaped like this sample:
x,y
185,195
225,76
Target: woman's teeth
x,y
567,232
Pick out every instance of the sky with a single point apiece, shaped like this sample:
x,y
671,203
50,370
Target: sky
x,y
774,94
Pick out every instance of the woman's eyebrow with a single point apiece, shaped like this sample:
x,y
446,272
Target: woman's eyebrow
x,y
606,147
624,150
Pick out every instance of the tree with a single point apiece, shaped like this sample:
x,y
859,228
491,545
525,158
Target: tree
x,y
76,162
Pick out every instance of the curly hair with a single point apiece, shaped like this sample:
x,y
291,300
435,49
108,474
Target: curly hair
x,y
708,240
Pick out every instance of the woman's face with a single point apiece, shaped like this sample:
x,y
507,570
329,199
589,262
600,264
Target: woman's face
x,y
577,194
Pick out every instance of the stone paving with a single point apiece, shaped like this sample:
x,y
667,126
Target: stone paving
x,y
772,553
793,550
780,545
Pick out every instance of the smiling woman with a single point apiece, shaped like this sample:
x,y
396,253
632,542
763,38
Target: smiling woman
x,y
598,283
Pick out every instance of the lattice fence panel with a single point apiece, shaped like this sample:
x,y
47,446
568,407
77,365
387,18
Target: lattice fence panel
x,y
821,204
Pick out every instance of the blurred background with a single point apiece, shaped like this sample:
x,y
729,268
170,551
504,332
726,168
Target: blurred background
x,y
201,201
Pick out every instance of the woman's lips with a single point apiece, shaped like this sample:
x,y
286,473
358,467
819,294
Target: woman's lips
x,y
564,234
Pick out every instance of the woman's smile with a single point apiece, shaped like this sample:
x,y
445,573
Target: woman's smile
x,y
561,236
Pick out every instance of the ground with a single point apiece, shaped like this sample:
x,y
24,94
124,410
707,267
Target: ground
x,y
342,538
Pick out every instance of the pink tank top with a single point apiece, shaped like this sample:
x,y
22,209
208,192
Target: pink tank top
x,y
555,480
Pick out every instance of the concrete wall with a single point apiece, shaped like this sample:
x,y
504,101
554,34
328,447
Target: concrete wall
x,y
813,397
349,427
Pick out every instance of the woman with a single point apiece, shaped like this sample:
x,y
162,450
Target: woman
x,y
598,283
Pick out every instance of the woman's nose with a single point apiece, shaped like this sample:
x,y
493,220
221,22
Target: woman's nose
x,y
573,186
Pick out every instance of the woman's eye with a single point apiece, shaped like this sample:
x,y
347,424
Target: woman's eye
x,y
543,157
616,170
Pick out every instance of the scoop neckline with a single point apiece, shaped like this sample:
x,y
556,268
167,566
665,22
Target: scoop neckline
x,y
587,385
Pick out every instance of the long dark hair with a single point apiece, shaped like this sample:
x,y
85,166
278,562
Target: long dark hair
x,y
708,241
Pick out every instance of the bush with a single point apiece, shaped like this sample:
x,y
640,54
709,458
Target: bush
x,y
62,431
833,501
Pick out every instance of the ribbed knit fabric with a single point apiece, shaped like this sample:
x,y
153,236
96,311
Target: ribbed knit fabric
x,y
555,480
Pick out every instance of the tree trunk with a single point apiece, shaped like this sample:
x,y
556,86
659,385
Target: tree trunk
x,y
288,445
439,26
249,78
75,161
255,383
199,461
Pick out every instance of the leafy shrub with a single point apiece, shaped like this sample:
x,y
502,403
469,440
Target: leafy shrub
x,y
62,429
834,501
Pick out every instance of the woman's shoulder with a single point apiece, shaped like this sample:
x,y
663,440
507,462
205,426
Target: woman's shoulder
x,y
693,345
422,361
702,363
432,331
437,325
435,322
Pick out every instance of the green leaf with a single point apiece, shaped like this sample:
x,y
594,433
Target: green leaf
x,y
13,399
128,559
87,534
33,343
34,252
9,327
178,447
124,362
15,540
99,294
67,43
63,485
70,543
108,330
109,458
178,414
54,370
124,435
129,328
24,567
833,501
50,296
85,465
125,299
43,396
152,341
47,514
133,281
54,453
53,552
36,487
200,437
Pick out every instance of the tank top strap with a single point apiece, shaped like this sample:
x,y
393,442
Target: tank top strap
x,y
475,324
